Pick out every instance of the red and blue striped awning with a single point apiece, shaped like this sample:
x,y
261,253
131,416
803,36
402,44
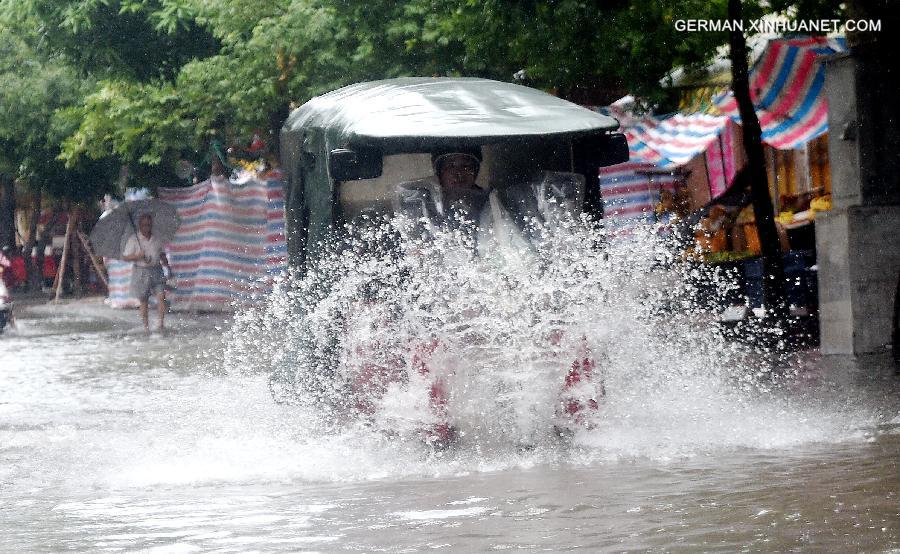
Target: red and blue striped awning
x,y
630,192
787,87
657,147
670,142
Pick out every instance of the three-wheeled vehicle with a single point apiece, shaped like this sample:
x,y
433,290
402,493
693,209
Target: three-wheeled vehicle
x,y
345,153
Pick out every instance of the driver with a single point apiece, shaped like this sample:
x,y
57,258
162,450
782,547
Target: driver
x,y
451,195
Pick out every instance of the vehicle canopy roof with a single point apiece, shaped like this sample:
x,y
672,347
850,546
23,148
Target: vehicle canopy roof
x,y
415,112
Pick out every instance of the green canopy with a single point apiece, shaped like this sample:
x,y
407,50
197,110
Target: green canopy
x,y
416,110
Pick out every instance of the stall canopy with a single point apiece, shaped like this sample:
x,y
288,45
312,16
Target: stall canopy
x,y
670,142
658,149
787,87
230,244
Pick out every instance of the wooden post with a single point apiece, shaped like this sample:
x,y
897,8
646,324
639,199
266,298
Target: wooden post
x,y
61,273
77,284
90,252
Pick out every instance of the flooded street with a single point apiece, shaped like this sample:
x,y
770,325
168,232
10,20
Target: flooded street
x,y
115,440
460,276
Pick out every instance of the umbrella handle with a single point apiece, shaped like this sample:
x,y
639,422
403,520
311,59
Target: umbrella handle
x,y
136,234
131,220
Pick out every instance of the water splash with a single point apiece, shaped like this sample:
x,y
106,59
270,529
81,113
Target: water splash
x,y
502,323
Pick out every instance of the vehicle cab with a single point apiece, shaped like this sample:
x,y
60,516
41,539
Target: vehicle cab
x,y
346,152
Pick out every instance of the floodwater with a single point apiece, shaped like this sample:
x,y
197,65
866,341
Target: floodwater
x,y
116,440
112,440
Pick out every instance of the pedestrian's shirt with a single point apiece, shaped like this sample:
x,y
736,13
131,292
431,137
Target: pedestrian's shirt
x,y
151,246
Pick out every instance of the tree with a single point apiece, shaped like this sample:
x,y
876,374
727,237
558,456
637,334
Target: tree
x,y
33,89
126,52
589,52
775,300
756,168
138,40
171,75
277,53
29,92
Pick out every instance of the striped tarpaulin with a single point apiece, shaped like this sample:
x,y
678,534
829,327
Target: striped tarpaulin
x,y
276,246
657,146
721,166
669,142
787,87
630,192
119,279
230,244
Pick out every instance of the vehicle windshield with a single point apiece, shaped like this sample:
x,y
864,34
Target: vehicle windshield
x,y
525,181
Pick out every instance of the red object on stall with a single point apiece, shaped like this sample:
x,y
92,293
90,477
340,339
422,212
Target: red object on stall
x,y
17,271
48,271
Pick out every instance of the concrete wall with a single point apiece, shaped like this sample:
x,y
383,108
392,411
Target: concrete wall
x,y
858,253
858,242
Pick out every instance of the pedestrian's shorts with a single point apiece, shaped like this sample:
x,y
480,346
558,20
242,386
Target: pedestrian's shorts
x,y
147,281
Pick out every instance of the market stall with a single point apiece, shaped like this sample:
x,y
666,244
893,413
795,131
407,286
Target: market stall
x,y
702,151
701,156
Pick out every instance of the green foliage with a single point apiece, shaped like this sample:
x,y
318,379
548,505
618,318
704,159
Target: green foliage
x,y
572,46
146,82
810,9
133,122
32,90
135,39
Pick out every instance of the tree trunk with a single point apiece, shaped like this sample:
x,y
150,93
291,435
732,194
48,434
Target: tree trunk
x,y
33,265
7,211
773,258
276,121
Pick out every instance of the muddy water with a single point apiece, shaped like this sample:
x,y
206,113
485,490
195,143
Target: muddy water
x,y
113,440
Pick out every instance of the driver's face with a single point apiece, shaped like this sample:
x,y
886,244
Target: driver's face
x,y
458,171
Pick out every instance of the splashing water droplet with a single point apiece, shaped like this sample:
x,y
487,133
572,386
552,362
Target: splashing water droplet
x,y
605,339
